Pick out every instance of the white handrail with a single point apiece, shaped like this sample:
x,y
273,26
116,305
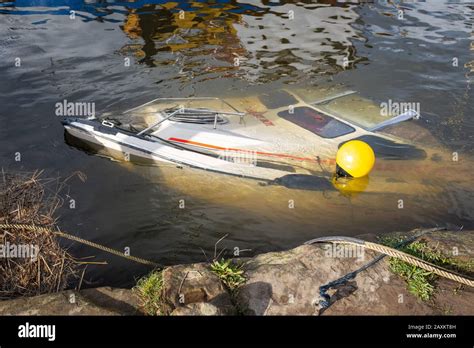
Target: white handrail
x,y
154,100
157,123
408,115
332,97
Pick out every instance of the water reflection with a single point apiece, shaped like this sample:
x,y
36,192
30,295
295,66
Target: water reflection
x,y
202,40
259,43
237,40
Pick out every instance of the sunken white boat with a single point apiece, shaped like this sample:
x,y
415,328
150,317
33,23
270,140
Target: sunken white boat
x,y
263,137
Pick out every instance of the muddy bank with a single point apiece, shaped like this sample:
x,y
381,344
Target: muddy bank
x,y
276,283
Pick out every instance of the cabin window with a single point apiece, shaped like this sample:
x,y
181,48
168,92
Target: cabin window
x,y
321,124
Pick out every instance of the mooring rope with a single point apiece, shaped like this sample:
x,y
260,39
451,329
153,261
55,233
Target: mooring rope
x,y
80,240
413,260
419,263
325,301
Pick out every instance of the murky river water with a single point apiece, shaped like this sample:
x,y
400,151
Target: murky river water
x,y
420,52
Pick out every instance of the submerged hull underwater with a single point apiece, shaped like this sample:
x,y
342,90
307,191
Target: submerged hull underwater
x,y
270,140
412,176
415,175
268,209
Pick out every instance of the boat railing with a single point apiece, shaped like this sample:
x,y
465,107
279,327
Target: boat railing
x,y
332,97
405,116
235,112
157,123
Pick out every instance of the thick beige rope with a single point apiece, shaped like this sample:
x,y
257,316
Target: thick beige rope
x,y
80,240
412,260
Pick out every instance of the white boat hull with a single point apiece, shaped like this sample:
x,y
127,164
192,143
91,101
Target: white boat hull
x,y
157,151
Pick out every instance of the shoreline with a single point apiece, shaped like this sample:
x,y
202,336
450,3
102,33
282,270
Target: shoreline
x,y
274,283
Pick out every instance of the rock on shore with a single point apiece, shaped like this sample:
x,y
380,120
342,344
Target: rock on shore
x,y
99,301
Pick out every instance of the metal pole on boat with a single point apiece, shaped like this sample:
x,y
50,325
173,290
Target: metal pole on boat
x,y
397,119
332,97
215,111
157,99
157,123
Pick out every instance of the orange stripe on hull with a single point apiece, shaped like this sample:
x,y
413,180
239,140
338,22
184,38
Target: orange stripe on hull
x,y
280,155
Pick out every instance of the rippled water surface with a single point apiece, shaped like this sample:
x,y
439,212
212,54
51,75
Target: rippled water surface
x,y
231,49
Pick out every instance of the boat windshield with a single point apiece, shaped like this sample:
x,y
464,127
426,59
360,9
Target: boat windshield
x,y
353,108
356,110
317,122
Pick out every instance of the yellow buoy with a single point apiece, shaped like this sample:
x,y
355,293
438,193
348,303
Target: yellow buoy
x,y
356,158
350,187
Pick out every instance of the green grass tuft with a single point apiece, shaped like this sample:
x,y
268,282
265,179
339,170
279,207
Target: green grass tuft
x,y
149,291
419,281
229,273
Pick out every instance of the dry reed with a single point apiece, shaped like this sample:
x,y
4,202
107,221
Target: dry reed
x,y
28,198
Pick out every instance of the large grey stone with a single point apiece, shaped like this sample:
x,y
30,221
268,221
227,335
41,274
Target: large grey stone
x,y
287,283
